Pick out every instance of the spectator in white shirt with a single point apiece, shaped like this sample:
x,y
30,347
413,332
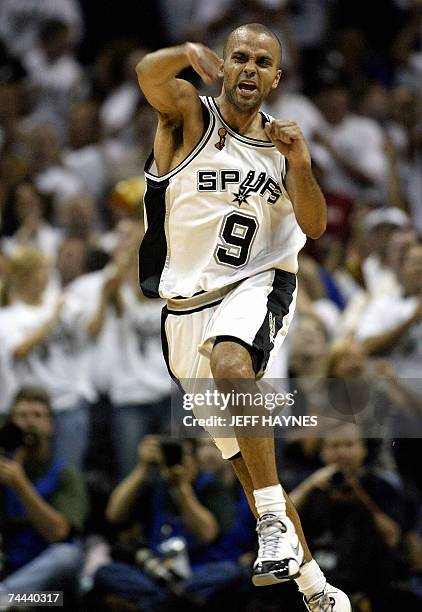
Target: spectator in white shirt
x,y
44,344
28,209
51,177
20,21
54,75
351,154
392,325
86,155
127,361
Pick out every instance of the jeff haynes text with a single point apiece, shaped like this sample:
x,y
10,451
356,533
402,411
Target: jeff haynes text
x,y
251,420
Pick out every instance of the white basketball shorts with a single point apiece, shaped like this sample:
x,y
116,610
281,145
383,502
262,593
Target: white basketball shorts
x,y
257,312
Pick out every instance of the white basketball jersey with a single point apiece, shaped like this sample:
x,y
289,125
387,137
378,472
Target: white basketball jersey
x,y
223,214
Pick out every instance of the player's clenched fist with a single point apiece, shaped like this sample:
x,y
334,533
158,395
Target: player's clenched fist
x,y
289,140
203,60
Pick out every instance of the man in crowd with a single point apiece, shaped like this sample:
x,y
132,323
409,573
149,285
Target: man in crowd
x,y
44,345
171,500
355,520
43,504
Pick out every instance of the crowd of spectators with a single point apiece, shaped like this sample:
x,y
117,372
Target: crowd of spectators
x,y
95,499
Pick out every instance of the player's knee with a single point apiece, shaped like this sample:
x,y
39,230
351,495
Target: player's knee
x,y
230,364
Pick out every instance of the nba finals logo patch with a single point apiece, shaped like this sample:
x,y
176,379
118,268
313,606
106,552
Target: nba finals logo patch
x,y
222,132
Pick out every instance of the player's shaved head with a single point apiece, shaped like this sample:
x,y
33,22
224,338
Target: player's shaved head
x,y
258,28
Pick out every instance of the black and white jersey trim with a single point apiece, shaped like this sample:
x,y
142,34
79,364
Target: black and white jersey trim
x,y
255,142
209,123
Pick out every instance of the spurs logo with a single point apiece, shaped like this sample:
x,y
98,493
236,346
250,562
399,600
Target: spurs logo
x,y
253,183
222,132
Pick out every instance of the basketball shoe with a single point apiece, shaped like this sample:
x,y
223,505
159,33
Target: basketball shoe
x,y
280,553
329,600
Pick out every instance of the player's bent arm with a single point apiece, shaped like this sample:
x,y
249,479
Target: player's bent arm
x,y
157,73
308,200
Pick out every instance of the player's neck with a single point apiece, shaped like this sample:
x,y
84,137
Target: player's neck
x,y
246,123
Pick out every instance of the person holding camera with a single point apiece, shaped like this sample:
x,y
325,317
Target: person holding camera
x,y
43,502
170,497
356,520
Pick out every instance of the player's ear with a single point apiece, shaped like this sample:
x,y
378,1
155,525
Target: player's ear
x,y
221,68
277,79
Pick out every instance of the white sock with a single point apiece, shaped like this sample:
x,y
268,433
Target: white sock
x,y
270,499
311,580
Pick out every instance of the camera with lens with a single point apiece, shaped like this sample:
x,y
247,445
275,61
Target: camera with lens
x,y
13,437
339,482
172,451
162,570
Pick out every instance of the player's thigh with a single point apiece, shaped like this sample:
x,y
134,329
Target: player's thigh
x,y
182,334
258,313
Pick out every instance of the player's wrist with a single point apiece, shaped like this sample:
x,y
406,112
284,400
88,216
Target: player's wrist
x,y
301,164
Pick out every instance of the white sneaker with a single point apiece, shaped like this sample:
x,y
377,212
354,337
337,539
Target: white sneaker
x,y
280,552
329,600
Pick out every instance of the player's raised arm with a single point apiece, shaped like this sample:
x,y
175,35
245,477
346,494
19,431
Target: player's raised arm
x,y
306,196
157,74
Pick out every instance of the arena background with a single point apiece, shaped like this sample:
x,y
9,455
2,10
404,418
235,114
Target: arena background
x,y
75,131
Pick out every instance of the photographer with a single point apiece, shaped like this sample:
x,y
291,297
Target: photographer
x,y
43,502
169,496
355,519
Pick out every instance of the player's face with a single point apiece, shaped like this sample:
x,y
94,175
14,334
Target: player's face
x,y
251,69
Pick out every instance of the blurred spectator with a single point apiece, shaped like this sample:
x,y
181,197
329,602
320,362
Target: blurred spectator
x,y
294,106
11,69
54,75
370,392
86,156
71,260
392,325
407,48
43,505
380,225
45,345
119,107
348,168
171,497
21,21
80,218
405,133
27,206
355,521
318,293
51,176
127,361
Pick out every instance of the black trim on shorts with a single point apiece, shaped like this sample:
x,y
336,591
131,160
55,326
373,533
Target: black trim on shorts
x,y
238,455
253,352
278,304
165,344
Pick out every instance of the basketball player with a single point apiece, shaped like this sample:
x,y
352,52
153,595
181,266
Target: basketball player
x,y
230,199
